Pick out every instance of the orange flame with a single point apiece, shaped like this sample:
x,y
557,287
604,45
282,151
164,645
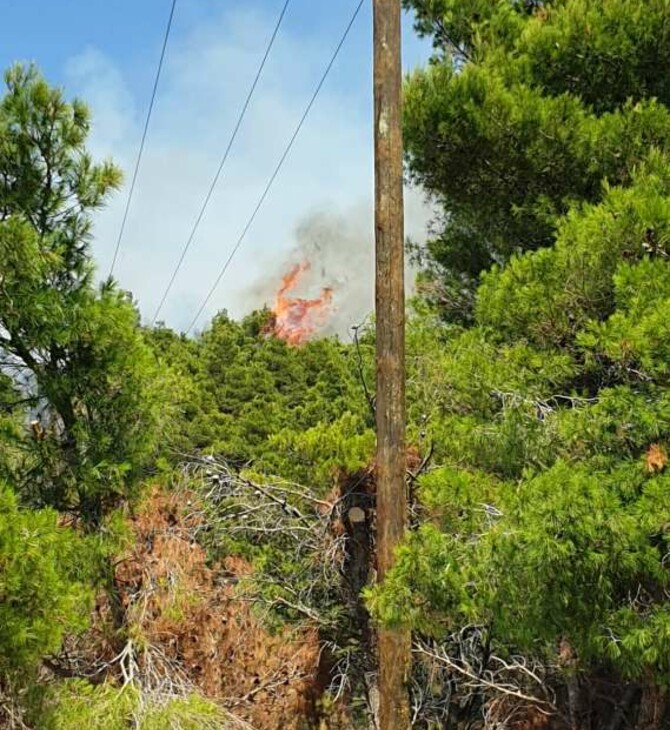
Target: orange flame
x,y
297,319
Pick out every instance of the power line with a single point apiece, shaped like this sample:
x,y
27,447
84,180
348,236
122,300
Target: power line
x,y
144,137
222,164
277,169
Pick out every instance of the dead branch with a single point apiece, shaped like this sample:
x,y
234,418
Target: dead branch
x,y
486,680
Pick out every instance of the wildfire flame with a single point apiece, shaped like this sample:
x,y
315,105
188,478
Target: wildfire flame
x,y
297,319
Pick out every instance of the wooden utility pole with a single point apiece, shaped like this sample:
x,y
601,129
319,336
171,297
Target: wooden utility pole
x,y
394,644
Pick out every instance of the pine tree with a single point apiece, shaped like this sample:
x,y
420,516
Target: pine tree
x,y
74,353
542,131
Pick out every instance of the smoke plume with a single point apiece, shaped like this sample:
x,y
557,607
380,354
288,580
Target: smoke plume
x,y
339,250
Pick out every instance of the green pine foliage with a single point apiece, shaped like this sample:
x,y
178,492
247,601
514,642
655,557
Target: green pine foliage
x,y
74,703
44,590
527,108
81,393
255,401
542,128
73,353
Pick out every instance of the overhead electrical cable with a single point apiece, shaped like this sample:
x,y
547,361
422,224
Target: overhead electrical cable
x,y
277,169
222,164
144,138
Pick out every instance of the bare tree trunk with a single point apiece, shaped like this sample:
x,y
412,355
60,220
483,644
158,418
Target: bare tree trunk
x,y
653,707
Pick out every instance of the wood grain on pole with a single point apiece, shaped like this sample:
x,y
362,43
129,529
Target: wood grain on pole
x,y
394,644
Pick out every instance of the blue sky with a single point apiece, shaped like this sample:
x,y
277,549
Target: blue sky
x,y
106,52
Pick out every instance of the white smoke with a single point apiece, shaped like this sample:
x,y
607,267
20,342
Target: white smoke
x,y
340,249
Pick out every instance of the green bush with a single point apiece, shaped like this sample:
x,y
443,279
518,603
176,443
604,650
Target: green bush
x,y
44,586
